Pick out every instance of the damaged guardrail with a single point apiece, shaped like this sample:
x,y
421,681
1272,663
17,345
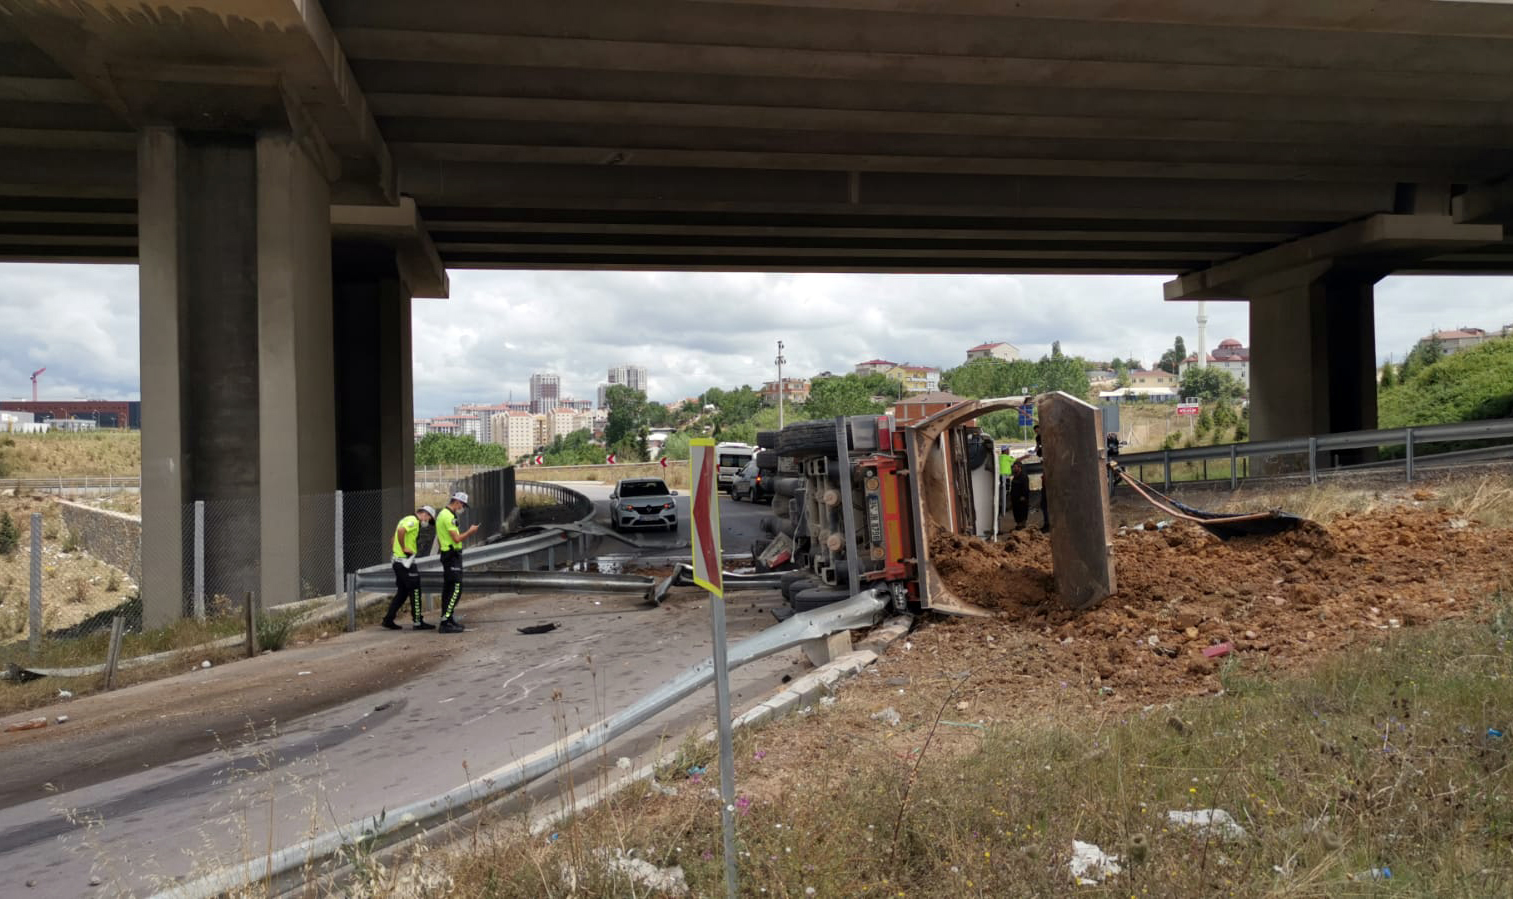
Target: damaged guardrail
x,y
861,610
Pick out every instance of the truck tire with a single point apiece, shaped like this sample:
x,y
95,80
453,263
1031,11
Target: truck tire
x,y
767,460
780,508
817,597
767,439
794,580
807,438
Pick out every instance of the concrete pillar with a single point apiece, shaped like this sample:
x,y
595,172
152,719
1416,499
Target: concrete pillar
x,y
235,339
1313,360
374,394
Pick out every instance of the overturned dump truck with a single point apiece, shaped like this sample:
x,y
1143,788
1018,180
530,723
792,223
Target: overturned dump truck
x,y
858,500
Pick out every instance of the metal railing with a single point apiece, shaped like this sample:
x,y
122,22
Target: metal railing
x,y
1328,449
542,503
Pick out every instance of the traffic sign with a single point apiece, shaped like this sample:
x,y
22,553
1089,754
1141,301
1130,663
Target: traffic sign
x,y
1189,409
663,460
538,461
609,459
705,512
1026,415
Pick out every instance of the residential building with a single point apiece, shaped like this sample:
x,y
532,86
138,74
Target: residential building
x,y
546,390
563,422
875,367
795,390
994,350
485,413
632,376
1466,338
915,378
1145,378
1230,355
457,425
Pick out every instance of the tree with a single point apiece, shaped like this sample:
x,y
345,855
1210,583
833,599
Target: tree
x,y
1424,354
577,448
1171,360
1064,373
626,428
1055,349
845,395
1471,385
451,449
1389,376
676,448
878,384
10,535
992,377
1116,364
1211,385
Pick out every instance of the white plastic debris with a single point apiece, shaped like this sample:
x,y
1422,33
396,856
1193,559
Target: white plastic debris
x,y
827,701
65,694
1215,820
668,881
62,719
205,664
623,763
888,716
1090,864
303,673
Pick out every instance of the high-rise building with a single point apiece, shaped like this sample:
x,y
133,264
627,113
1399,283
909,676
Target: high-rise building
x,y
632,376
546,389
517,432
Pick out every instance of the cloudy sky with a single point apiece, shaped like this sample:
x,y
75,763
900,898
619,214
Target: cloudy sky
x,y
694,330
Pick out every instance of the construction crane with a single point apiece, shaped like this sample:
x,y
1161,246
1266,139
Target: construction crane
x,y
34,382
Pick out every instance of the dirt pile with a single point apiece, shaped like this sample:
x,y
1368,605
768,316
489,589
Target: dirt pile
x,y
1182,591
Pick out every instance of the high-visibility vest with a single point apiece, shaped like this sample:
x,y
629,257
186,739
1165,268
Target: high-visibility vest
x,y
446,523
411,527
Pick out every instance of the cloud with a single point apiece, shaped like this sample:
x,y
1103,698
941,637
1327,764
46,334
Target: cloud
x,y
699,330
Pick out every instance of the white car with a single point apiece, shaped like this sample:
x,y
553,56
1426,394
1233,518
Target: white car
x,y
643,503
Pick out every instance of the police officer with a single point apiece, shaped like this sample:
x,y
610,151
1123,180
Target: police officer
x,y
449,539
406,575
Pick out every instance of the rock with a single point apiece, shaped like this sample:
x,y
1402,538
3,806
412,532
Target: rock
x,y
888,716
1192,633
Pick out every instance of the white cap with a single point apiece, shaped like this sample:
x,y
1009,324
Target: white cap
x,y
429,511
460,497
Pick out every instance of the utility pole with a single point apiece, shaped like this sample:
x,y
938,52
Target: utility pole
x,y
780,360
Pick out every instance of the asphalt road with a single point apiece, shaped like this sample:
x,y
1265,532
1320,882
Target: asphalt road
x,y
740,522
503,696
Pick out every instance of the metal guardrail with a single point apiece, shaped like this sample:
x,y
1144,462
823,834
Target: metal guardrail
x,y
65,483
1411,439
542,503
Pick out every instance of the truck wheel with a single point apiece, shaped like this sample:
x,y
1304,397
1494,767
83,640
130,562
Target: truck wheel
x,y
786,487
766,460
807,438
794,581
767,439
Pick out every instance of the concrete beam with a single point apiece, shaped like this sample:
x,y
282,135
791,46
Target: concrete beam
x,y
235,65
1378,244
1487,203
399,227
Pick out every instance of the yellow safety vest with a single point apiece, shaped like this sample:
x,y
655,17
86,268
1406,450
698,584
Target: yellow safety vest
x,y
446,523
411,526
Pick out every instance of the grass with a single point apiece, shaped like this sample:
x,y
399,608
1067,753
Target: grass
x,y
675,474
105,453
1387,758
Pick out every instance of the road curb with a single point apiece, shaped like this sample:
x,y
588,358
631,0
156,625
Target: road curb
x,y
792,697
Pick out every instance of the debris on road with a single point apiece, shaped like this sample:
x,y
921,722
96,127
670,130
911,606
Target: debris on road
x,y
538,628
1211,820
888,716
31,724
1089,864
1213,652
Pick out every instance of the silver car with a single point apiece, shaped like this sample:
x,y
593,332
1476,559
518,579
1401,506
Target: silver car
x,y
643,503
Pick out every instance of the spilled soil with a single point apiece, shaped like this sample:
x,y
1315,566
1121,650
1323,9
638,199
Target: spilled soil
x,y
1278,602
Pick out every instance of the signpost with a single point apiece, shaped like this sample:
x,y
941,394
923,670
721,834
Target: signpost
x,y
709,574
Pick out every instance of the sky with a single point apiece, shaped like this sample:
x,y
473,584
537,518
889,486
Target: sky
x,y
698,330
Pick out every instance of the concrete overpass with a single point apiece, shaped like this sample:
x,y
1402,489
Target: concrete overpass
x,y
291,172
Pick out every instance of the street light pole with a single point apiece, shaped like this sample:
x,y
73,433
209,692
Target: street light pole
x,y
780,360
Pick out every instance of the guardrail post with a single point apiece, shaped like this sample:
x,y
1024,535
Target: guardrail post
x,y
351,602
1313,460
551,558
1408,461
1166,465
1234,471
34,624
338,549
199,559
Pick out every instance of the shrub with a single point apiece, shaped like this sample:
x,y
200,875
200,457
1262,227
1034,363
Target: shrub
x,y
78,591
273,630
10,535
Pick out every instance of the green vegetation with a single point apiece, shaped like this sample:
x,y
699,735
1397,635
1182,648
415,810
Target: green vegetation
x,y
577,448
10,534
446,449
1171,360
982,378
1397,763
1471,385
1211,385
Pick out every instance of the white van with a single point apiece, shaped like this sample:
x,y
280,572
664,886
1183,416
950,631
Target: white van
x,y
732,457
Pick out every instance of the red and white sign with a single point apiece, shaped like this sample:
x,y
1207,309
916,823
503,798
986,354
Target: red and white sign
x,y
609,459
538,461
704,468
1189,409
663,460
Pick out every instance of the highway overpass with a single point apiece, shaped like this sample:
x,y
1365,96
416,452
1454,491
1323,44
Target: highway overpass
x,y
289,173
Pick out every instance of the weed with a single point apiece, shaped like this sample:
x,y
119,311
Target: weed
x,y
113,581
70,543
274,628
10,534
78,591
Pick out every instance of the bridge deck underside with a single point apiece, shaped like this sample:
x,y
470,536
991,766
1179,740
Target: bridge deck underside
x,y
980,136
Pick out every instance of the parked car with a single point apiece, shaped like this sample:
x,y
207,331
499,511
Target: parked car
x,y
643,503
752,484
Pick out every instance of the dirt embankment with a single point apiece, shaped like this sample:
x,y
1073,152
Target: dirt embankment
x,y
1287,598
